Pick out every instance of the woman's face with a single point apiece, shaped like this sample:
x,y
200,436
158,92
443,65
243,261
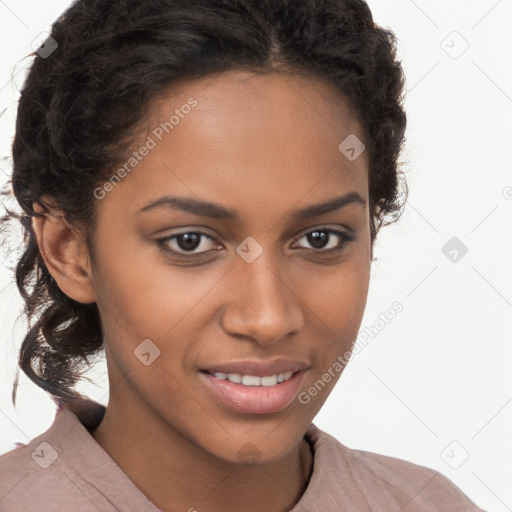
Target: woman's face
x,y
242,160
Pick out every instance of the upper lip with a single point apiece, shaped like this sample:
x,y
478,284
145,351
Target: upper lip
x,y
258,368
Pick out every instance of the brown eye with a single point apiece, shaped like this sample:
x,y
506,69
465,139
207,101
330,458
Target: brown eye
x,y
187,243
322,239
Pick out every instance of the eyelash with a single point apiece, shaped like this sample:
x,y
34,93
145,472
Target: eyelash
x,y
345,238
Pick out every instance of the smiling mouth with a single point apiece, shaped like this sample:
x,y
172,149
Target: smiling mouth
x,y
253,380
253,394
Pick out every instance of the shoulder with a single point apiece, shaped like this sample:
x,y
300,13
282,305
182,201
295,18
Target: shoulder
x,y
420,487
383,482
40,475
30,470
66,469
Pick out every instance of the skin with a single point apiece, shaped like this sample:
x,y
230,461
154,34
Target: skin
x,y
264,146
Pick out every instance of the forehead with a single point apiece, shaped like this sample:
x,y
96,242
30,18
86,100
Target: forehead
x,y
248,138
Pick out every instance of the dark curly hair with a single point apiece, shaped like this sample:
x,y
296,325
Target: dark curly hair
x,y
82,106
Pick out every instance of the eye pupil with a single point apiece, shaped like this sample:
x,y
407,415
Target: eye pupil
x,y
191,240
317,239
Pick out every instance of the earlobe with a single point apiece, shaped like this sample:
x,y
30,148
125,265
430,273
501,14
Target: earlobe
x,y
65,254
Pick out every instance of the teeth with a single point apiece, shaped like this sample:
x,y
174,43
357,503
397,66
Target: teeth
x,y
252,380
269,381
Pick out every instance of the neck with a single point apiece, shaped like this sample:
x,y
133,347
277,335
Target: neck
x,y
176,474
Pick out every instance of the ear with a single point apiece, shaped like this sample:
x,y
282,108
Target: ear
x,y
64,252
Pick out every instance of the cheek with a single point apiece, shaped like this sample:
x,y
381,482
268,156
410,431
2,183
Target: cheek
x,y
337,305
141,298
338,295
337,301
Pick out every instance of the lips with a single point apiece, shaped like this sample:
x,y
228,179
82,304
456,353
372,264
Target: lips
x,y
258,368
251,398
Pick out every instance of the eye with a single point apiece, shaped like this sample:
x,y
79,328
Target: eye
x,y
186,243
322,239
190,243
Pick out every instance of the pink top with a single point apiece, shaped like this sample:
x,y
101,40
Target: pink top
x,y
65,469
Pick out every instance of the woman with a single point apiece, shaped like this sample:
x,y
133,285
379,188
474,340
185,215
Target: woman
x,y
202,184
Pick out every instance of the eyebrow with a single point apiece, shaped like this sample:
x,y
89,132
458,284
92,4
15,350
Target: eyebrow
x,y
216,211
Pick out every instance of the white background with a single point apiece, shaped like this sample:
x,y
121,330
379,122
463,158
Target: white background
x,y
437,379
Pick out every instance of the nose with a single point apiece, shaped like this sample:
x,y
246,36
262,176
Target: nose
x,y
263,306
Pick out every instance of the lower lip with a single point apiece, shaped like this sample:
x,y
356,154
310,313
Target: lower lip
x,y
255,399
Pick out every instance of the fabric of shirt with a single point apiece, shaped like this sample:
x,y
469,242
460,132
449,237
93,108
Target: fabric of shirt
x,y
65,469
